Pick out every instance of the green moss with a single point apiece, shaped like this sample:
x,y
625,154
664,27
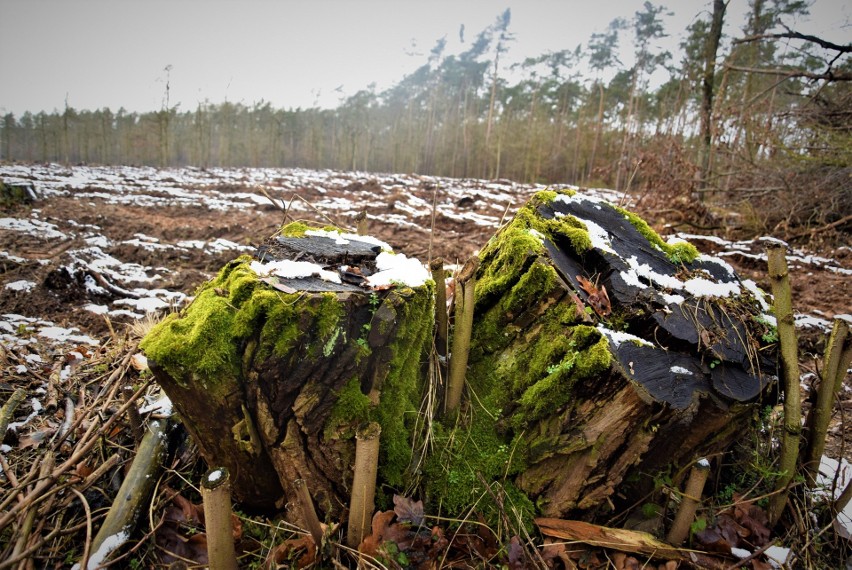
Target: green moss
x,y
294,229
399,400
351,408
401,389
203,342
680,252
197,342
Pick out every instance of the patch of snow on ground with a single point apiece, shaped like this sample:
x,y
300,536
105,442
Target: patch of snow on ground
x,y
22,285
61,334
37,228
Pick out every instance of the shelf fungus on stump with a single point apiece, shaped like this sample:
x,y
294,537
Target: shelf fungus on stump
x,y
599,352
281,357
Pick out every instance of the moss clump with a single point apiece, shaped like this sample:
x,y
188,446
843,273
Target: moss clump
x,y
507,254
546,372
402,388
680,252
197,342
351,408
294,229
204,342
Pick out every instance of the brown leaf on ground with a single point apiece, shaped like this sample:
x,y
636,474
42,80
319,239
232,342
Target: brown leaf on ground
x,y
296,552
753,518
83,469
408,510
723,535
174,547
34,439
370,544
517,556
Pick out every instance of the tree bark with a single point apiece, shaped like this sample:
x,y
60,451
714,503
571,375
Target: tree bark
x,y
707,88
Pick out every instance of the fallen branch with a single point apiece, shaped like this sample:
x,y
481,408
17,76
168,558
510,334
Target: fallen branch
x,y
9,408
824,228
606,537
135,489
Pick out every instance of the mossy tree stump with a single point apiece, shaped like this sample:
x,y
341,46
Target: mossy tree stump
x,y
598,351
280,358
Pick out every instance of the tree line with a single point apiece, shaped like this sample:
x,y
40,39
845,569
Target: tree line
x,y
744,114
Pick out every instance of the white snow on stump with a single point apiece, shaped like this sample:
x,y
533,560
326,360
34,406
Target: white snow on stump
x,y
288,269
398,269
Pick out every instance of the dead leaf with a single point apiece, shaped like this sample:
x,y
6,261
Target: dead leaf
x,y
173,546
34,439
753,518
299,552
83,470
517,556
407,510
370,544
597,297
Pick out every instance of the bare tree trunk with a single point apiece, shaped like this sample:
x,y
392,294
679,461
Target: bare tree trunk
x,y
707,82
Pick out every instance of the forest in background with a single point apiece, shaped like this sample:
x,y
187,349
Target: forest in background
x,y
758,120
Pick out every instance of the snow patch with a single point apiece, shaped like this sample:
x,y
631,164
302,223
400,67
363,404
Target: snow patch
x,y
288,269
22,285
397,268
618,337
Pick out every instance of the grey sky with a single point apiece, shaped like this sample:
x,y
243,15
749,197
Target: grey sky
x,y
291,53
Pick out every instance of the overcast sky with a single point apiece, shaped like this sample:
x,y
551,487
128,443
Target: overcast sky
x,y
291,53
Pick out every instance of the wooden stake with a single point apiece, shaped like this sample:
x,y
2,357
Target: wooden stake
x,y
833,370
441,320
308,511
136,427
465,296
362,224
362,505
691,498
779,279
216,494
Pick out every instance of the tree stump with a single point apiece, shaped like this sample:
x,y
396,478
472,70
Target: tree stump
x,y
599,351
281,357
20,193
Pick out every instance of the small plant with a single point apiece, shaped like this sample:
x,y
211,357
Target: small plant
x,y
770,335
